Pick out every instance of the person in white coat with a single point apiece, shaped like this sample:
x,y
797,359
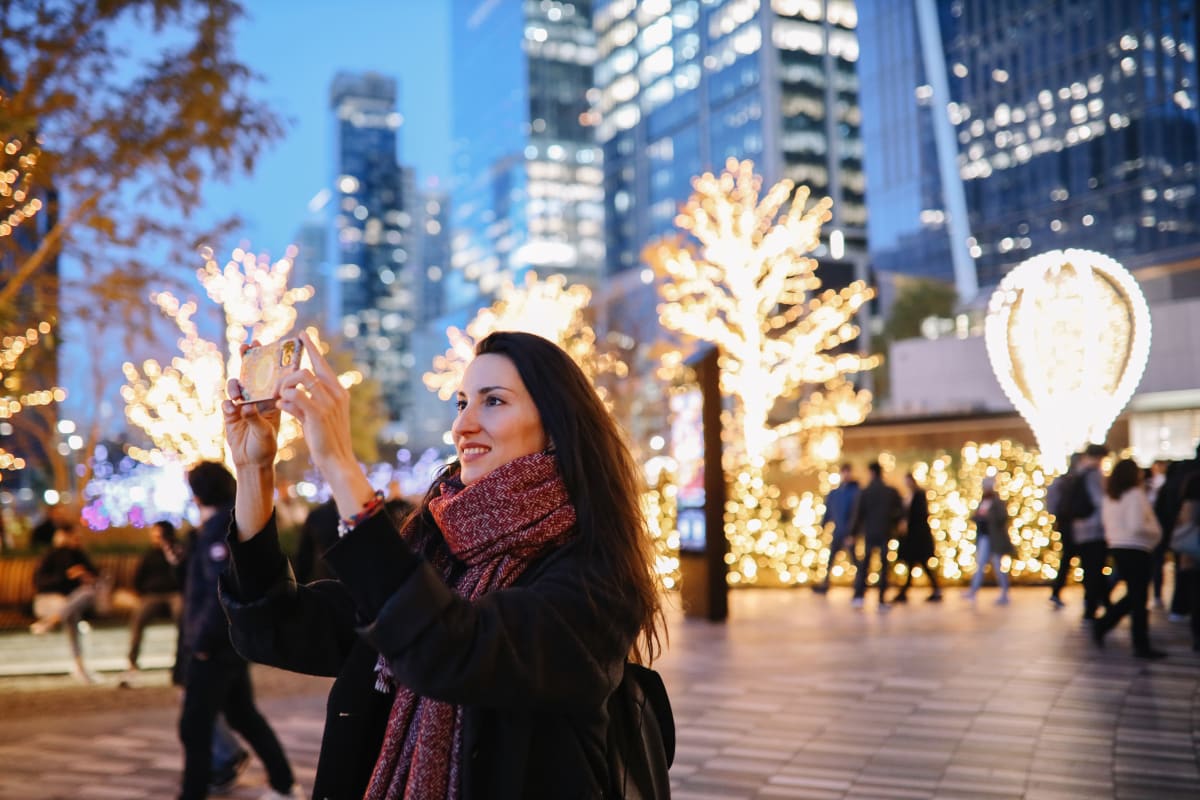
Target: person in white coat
x,y
1132,532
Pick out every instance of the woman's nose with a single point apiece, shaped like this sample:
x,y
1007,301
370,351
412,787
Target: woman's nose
x,y
464,422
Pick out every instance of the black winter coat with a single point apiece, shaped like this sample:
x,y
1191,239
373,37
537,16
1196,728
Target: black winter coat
x,y
877,512
916,547
532,664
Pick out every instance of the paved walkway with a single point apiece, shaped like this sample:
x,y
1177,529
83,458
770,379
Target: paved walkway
x,y
797,696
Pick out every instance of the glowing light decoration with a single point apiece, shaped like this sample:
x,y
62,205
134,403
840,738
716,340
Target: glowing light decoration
x,y
179,406
548,308
1068,335
751,288
12,399
18,161
748,284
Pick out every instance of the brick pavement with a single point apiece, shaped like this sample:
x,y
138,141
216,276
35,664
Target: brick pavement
x,y
797,696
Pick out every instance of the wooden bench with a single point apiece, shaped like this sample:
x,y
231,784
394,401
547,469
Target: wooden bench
x,y
16,585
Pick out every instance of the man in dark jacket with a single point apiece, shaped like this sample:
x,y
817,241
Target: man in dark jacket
x,y
216,678
839,507
878,510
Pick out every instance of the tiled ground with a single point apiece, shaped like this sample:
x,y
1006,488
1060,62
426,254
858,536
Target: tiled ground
x,y
797,696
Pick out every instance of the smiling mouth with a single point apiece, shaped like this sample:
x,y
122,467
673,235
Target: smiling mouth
x,y
474,451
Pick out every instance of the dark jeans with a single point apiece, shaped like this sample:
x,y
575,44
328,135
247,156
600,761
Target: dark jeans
x,y
1069,551
1092,556
864,567
1135,571
1186,581
841,542
221,684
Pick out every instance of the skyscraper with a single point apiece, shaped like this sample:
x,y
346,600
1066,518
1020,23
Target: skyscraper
x,y
371,300
1048,124
528,182
684,85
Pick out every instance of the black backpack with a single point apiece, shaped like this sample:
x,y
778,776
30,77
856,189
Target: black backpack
x,y
1075,501
641,737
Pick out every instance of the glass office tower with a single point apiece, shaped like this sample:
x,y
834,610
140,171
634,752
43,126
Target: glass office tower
x,y
1074,124
371,291
528,184
684,85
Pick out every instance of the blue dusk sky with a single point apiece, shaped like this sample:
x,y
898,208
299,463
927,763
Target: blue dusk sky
x,y
297,46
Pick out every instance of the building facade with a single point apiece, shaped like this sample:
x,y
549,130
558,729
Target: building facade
x,y
371,300
1000,129
684,85
527,188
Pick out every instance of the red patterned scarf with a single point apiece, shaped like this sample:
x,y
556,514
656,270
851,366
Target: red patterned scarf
x,y
496,526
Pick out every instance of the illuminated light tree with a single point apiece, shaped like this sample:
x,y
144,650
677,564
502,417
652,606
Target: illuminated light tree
x,y
12,400
548,308
179,406
747,284
751,289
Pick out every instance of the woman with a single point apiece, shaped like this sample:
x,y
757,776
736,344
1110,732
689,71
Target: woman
x,y
916,546
1132,532
475,651
991,540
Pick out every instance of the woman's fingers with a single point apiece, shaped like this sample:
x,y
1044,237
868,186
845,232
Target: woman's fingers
x,y
320,365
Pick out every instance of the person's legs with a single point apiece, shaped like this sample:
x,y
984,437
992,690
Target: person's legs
x,y
1092,556
862,568
1194,606
902,595
1068,552
1114,613
836,544
147,606
982,554
931,574
1135,569
203,695
1185,580
1157,558
243,716
884,569
79,602
1001,577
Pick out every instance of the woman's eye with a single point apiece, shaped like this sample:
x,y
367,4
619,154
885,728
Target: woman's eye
x,y
494,401
460,404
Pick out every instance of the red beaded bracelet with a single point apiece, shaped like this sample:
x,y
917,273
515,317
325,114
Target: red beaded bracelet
x,y
369,509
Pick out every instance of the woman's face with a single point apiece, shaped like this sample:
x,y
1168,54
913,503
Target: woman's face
x,y
497,419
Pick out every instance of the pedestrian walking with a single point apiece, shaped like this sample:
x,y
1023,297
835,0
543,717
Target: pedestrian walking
x,y
156,582
1132,532
1188,566
1068,552
478,652
839,508
216,679
1087,529
992,541
916,545
876,514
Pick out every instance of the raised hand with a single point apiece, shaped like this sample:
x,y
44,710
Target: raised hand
x,y
251,430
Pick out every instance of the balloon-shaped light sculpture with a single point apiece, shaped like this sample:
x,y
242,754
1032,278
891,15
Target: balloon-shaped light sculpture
x,y
1068,335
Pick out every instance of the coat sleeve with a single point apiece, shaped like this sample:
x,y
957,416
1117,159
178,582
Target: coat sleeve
x,y
273,620
557,641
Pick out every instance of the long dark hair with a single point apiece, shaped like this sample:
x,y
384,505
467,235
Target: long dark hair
x,y
1124,476
601,476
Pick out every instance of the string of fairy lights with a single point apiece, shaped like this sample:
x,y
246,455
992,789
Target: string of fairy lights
x,y
18,203
12,400
549,308
178,406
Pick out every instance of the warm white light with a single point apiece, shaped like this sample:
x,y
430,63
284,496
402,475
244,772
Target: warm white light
x,y
1068,335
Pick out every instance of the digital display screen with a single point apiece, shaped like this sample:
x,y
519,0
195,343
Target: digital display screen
x,y
687,448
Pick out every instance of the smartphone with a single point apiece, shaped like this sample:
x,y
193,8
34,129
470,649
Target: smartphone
x,y
264,366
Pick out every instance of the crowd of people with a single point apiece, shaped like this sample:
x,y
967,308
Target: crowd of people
x,y
1118,528
486,641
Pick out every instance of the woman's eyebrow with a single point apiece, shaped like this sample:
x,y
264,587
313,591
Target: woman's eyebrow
x,y
485,390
